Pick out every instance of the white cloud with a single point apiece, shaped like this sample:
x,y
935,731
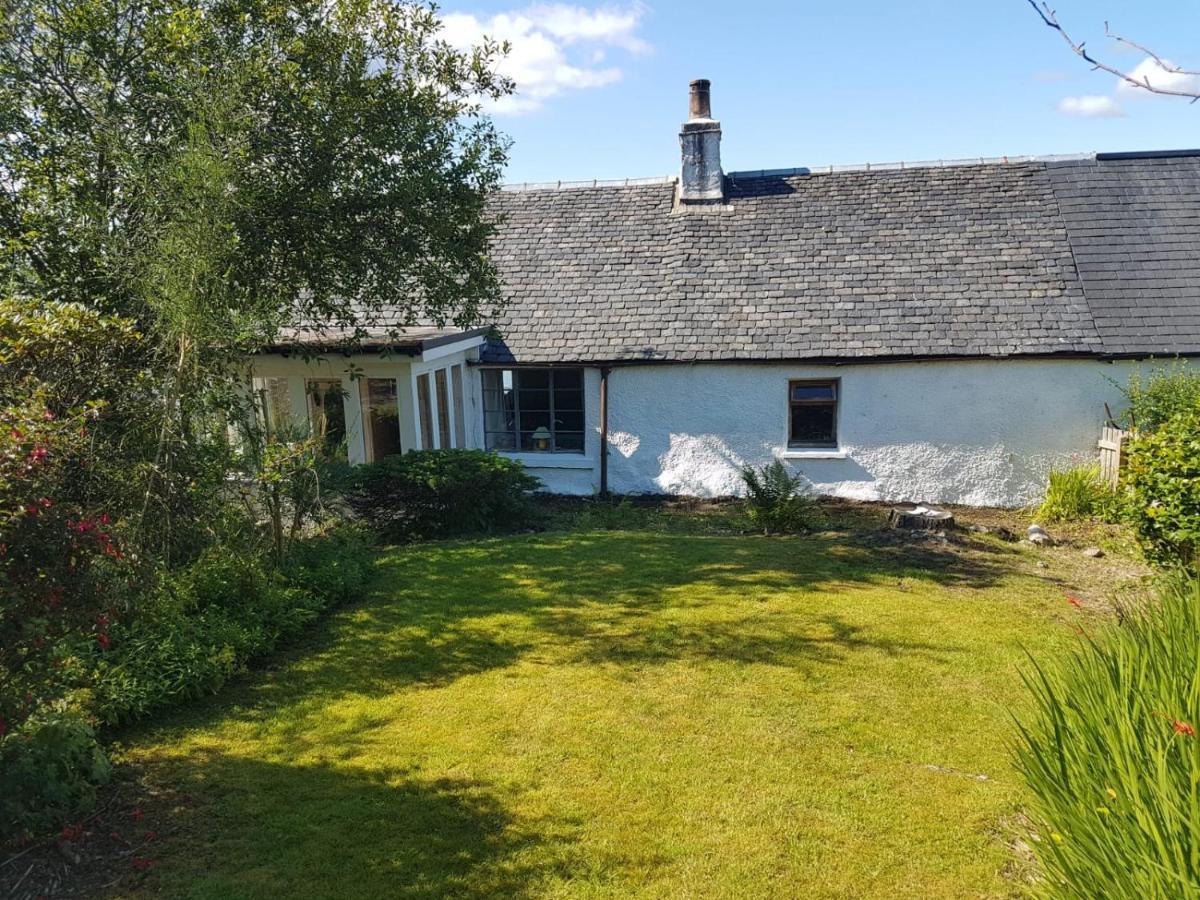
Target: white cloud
x,y
1091,106
1149,71
554,47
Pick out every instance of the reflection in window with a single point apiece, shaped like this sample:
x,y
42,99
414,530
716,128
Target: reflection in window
x,y
425,412
460,425
443,409
382,417
274,403
538,410
327,410
812,407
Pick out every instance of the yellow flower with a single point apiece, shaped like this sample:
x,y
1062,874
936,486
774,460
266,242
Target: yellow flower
x,y
1112,795
1056,837
1103,810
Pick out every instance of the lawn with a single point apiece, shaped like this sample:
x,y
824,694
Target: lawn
x,y
623,714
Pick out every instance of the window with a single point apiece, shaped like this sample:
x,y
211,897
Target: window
x,y
274,403
382,417
327,410
425,412
460,426
812,413
443,409
533,410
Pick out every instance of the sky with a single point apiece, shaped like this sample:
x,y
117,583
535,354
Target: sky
x,y
602,88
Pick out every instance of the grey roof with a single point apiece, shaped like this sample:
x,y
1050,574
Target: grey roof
x,y
410,340
1096,257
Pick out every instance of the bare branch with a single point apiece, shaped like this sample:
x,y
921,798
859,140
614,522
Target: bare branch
x,y
1162,63
1079,49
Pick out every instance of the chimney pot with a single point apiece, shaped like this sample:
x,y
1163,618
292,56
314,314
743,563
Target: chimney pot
x,y
701,180
699,104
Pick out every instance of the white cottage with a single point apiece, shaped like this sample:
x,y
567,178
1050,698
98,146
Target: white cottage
x,y
945,332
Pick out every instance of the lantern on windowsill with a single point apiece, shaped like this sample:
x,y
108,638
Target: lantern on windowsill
x,y
541,438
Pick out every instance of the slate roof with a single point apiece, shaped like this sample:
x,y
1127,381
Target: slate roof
x,y
1094,257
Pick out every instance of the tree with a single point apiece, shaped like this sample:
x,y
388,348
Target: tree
x,y
1050,18
218,171
342,140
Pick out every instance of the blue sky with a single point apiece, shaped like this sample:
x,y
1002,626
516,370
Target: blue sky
x,y
604,85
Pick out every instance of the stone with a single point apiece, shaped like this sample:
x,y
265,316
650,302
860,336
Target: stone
x,y
1093,552
1038,536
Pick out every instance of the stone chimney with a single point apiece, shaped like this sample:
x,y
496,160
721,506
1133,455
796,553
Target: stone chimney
x,y
701,179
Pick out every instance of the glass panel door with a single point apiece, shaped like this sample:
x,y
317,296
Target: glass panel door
x,y
443,409
327,410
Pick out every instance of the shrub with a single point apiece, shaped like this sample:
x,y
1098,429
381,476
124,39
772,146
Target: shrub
x,y
441,493
1073,495
218,614
49,768
1113,758
1166,393
775,500
1163,477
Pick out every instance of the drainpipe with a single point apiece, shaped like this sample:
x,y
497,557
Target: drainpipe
x,y
604,370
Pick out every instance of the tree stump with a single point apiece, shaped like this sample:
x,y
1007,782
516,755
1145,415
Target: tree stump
x,y
920,517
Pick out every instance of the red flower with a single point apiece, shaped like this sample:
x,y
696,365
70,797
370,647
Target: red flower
x,y
31,510
39,454
151,835
45,502
102,620
48,416
1183,728
137,814
103,520
102,640
141,863
70,832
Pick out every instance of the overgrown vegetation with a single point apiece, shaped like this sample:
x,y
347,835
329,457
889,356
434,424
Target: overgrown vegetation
x,y
1113,757
1163,477
1077,494
441,493
178,183
1160,396
776,500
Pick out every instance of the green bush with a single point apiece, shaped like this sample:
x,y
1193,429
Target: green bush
x,y
1073,495
50,766
1163,477
776,502
441,493
1166,393
1113,758
219,613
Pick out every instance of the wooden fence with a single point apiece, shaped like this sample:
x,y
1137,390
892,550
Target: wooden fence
x,y
1111,440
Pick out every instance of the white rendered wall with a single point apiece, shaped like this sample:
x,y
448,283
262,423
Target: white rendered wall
x,y
981,433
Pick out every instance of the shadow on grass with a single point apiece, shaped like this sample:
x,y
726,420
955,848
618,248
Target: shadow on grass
x,y
268,830
441,612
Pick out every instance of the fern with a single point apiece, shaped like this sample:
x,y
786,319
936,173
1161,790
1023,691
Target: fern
x,y
776,500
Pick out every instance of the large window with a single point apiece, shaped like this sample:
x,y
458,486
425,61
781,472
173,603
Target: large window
x,y
381,417
812,413
533,409
327,410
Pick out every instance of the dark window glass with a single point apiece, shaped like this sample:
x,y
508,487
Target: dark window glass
x,y
537,410
812,414
383,417
327,410
443,409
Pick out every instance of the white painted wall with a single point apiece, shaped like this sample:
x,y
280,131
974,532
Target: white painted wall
x,y
975,432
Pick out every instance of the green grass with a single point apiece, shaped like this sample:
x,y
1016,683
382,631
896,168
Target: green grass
x,y
620,714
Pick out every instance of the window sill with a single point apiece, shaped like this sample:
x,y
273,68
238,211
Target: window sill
x,y
549,460
814,453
